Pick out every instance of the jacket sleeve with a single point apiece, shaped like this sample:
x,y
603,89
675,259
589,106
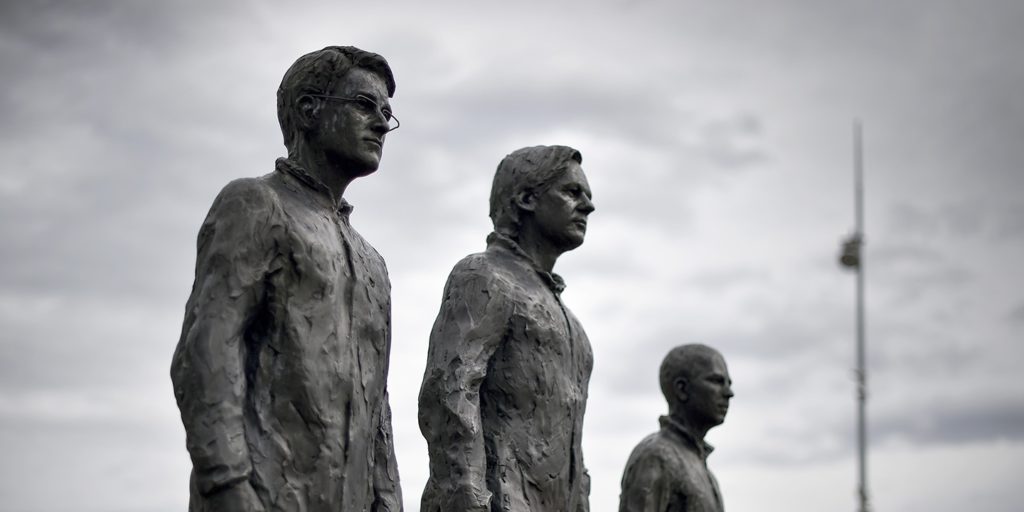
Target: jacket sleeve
x,y
646,484
208,366
471,324
386,489
584,501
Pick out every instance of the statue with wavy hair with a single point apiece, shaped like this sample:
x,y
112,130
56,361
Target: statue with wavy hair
x,y
505,388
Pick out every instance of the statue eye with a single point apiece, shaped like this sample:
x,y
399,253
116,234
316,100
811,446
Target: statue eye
x,y
366,103
369,105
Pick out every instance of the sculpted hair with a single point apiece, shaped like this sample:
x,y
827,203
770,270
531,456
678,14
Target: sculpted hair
x,y
318,73
681,362
530,169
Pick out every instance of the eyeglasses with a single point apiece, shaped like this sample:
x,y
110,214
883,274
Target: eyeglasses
x,y
368,105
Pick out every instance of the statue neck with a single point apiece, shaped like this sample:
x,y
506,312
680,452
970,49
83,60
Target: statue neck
x,y
538,247
316,163
695,428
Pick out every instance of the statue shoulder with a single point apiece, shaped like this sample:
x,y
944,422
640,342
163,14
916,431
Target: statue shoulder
x,y
655,447
241,213
245,196
482,270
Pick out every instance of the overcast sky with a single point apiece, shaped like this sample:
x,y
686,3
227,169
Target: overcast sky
x,y
717,140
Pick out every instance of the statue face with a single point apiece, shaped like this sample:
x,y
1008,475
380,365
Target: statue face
x,y
352,132
561,211
708,391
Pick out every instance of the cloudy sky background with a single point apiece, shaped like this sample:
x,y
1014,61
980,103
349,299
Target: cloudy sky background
x,y
717,140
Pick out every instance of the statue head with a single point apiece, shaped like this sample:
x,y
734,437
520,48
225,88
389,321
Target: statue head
x,y
335,101
696,384
543,186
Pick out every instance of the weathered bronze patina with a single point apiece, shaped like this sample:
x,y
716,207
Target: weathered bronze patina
x,y
667,471
505,387
282,365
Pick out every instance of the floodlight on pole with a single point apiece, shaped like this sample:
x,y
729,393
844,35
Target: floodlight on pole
x,y
851,257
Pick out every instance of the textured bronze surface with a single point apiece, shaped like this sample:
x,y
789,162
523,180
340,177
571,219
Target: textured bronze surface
x,y
505,387
281,370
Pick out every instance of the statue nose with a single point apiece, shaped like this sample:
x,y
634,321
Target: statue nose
x,y
587,206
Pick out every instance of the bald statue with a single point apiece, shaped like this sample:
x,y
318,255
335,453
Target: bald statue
x,y
505,387
667,471
281,369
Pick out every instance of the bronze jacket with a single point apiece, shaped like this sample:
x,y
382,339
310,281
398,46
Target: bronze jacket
x,y
668,472
505,389
281,370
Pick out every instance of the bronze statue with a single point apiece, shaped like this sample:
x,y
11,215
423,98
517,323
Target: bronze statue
x,y
505,387
668,470
282,365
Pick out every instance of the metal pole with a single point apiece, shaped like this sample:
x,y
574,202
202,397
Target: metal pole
x,y
862,377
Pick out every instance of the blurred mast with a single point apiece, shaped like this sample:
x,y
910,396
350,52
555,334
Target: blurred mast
x,y
851,257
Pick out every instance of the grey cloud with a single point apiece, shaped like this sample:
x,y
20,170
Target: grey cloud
x,y
56,340
909,269
1016,315
905,254
75,250
58,466
825,433
55,26
109,159
913,284
960,220
717,280
902,348
777,338
734,143
826,441
954,422
785,334
910,219
1010,222
489,112
595,263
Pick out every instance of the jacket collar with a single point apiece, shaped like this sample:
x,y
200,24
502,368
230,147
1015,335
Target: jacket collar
x,y
703,449
552,280
290,168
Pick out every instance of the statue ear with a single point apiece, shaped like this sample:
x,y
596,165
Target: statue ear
x,y
307,109
526,200
680,388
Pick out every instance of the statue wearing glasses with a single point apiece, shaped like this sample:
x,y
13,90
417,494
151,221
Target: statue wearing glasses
x,y
281,369
505,387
